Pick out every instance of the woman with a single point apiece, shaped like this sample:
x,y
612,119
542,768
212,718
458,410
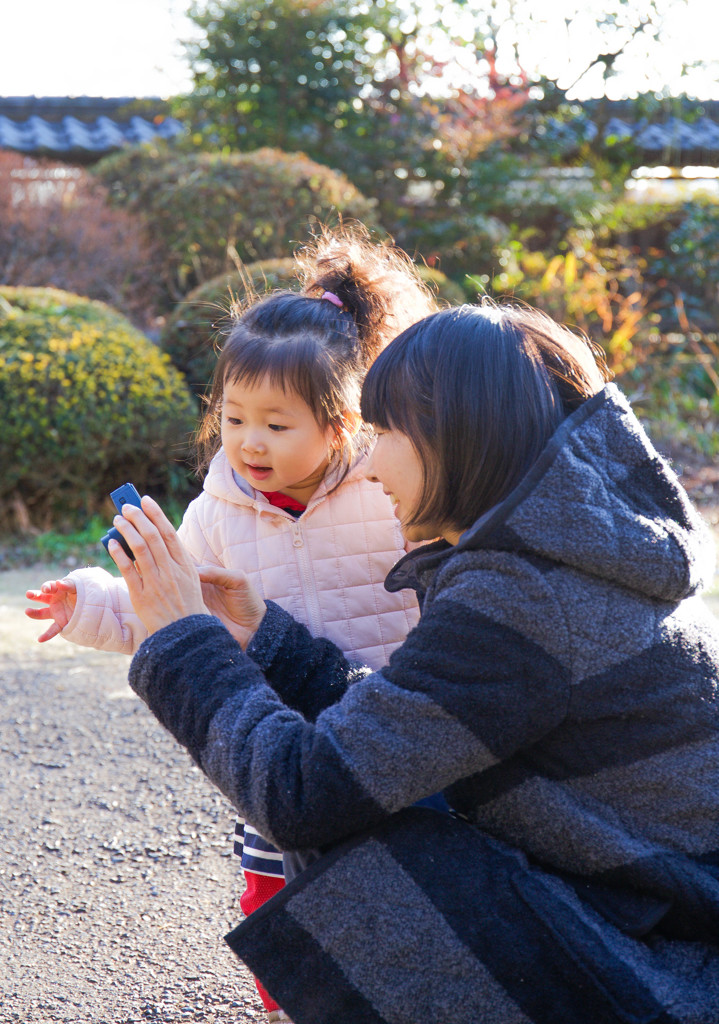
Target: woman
x,y
560,690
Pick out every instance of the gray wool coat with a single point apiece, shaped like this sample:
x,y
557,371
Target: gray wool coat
x,y
561,689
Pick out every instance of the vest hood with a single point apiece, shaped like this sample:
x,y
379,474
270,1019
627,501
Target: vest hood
x,y
222,482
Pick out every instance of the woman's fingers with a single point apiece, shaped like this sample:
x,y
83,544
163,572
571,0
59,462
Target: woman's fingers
x,y
162,582
166,530
126,566
143,538
232,579
151,535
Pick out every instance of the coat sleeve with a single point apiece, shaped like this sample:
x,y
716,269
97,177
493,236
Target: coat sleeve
x,y
309,674
461,694
103,617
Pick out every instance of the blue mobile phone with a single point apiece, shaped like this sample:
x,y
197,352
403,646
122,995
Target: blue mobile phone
x,y
124,495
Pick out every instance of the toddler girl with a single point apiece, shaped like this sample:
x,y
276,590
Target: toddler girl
x,y
285,497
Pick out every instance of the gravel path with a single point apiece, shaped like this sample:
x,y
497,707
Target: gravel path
x,y
117,881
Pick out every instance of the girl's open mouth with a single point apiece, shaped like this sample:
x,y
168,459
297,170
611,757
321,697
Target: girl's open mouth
x,y
259,472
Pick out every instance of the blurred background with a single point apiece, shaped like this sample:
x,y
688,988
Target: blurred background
x,y
157,160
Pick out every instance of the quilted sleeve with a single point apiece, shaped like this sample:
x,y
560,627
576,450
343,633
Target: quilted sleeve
x,y
193,533
104,617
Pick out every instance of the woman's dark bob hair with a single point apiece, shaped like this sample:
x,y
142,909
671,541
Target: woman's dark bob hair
x,y
479,391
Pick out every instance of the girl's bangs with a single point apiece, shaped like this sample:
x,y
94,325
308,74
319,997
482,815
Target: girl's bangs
x,y
288,366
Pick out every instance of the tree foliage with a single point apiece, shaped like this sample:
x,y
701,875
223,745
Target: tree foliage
x,y
350,85
429,108
275,72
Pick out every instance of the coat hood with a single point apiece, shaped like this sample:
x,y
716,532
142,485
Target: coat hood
x,y
600,500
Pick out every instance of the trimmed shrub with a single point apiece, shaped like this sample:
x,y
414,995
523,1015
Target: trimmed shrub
x,y
88,403
211,211
193,335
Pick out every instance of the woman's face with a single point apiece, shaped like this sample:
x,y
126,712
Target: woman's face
x,y
395,463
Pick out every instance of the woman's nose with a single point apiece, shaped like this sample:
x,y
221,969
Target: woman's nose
x,y
369,470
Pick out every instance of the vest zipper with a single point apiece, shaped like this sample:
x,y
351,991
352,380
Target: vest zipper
x,y
314,616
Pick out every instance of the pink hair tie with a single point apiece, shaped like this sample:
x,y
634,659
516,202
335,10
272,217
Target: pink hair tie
x,y
334,299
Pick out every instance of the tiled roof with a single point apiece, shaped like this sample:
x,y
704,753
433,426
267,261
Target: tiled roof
x,y
87,127
80,126
662,134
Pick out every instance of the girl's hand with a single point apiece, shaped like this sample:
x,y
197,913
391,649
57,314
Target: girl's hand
x,y
59,598
163,583
231,597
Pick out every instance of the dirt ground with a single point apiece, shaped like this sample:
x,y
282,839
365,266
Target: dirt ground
x,y
117,881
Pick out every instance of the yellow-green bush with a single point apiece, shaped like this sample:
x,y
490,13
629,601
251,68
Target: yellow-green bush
x,y
448,292
88,402
193,335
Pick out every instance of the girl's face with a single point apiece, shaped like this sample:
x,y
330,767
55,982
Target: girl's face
x,y
272,439
395,463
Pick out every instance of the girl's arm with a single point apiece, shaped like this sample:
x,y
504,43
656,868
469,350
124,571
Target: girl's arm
x,y
103,616
91,608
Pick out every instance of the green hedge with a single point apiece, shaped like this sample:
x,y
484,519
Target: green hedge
x,y
193,334
207,210
88,403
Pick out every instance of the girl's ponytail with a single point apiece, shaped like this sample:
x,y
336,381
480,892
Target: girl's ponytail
x,y
377,284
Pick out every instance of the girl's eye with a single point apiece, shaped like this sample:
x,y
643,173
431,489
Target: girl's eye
x,y
234,421
276,426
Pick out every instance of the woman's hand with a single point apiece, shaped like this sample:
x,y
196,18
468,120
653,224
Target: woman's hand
x,y
231,597
59,598
163,583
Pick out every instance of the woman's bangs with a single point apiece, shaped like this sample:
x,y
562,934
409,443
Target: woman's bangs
x,y
388,399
